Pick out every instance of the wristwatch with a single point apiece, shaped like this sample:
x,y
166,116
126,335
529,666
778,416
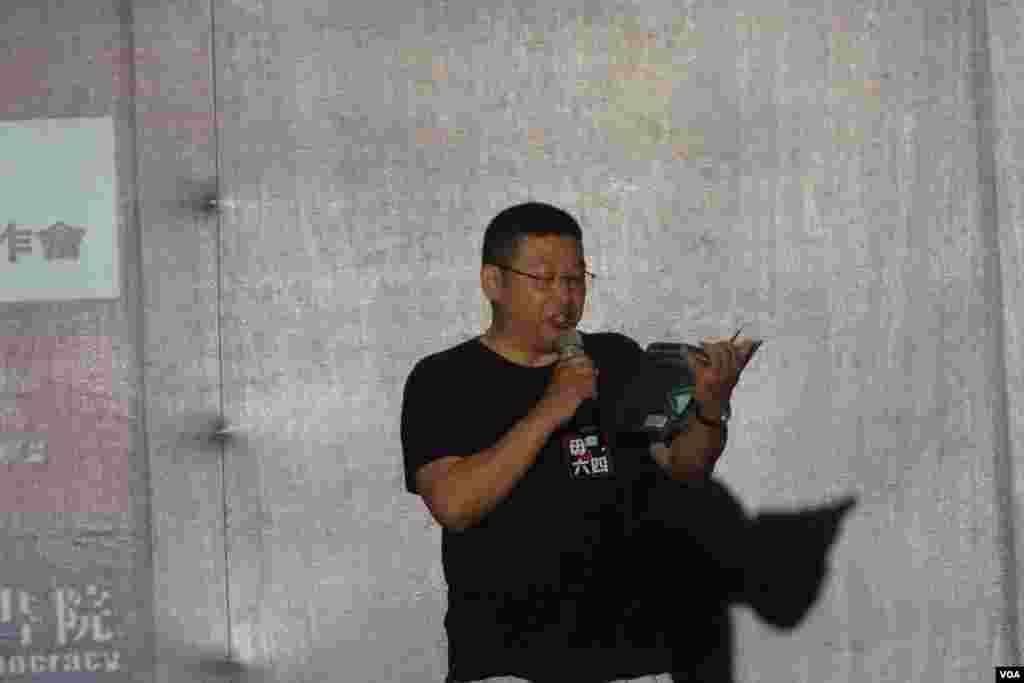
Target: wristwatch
x,y
706,419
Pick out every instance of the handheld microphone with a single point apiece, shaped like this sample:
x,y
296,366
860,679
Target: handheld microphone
x,y
584,445
570,346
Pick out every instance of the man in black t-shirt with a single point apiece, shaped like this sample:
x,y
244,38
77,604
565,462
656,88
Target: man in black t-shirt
x,y
553,573
570,560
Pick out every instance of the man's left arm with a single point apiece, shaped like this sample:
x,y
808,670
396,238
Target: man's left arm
x,y
693,452
691,455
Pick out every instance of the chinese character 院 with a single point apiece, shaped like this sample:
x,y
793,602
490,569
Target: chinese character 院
x,y
72,617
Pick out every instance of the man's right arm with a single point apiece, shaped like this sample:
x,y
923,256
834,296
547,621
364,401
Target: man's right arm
x,y
466,491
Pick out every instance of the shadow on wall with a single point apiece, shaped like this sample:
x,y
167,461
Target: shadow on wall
x,y
775,562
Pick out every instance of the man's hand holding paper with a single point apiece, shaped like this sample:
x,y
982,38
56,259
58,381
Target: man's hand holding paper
x,y
717,369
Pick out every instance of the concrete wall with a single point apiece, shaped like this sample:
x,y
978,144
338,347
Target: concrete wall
x,y
844,180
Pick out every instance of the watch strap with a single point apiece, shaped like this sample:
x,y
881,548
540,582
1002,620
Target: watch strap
x,y
702,418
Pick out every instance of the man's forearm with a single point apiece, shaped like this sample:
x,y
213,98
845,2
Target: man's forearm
x,y
696,449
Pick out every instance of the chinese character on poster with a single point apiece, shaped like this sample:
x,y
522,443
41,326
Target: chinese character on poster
x,y
58,210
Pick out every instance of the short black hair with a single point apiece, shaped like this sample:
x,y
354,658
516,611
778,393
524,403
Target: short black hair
x,y
508,230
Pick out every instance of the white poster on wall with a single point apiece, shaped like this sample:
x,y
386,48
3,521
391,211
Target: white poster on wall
x,y
58,210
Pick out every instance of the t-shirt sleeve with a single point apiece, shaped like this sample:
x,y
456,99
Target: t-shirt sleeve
x,y
633,353
433,425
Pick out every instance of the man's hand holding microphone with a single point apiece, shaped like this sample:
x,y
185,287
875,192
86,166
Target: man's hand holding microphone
x,y
573,380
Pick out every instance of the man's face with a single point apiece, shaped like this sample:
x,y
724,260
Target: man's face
x,y
530,305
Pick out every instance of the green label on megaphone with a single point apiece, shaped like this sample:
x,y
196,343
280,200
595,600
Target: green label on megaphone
x,y
679,398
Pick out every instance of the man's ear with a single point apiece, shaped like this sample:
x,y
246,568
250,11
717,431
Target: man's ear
x,y
488,281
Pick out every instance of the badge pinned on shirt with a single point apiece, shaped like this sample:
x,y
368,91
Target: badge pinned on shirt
x,y
586,454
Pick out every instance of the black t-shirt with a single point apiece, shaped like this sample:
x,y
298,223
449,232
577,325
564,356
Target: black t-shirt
x,y
543,586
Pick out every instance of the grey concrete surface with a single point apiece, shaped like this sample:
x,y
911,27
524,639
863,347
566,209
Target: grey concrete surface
x,y
844,178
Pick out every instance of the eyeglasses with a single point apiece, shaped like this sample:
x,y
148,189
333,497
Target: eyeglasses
x,y
548,283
